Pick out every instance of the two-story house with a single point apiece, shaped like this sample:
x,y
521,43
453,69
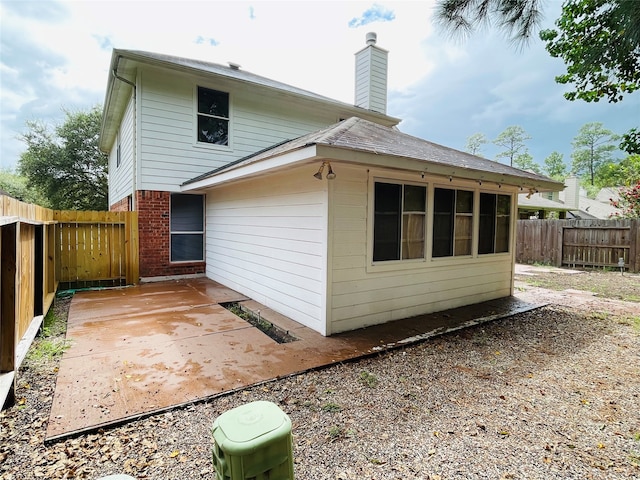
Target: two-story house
x,y
320,210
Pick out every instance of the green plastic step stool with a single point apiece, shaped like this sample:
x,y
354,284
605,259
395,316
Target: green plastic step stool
x,y
253,441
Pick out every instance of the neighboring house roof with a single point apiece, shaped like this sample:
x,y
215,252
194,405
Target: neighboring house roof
x,y
537,202
356,140
124,64
589,208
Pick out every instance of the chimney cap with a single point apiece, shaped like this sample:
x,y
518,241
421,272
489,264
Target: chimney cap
x,y
234,66
371,38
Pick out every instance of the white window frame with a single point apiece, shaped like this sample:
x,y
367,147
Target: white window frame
x,y
196,114
185,232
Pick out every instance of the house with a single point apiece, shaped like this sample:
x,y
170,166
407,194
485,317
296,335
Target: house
x,y
321,210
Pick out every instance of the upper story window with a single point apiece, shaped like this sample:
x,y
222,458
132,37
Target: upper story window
x,y
213,116
495,223
399,221
452,222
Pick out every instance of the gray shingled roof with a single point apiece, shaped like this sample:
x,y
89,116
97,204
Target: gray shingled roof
x,y
227,71
362,135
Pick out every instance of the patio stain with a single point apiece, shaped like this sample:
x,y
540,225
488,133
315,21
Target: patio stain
x,y
141,350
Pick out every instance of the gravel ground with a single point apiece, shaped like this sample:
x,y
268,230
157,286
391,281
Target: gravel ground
x,y
552,393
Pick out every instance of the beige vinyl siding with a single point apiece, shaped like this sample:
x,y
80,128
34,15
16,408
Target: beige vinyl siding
x,y
169,152
266,238
121,177
361,297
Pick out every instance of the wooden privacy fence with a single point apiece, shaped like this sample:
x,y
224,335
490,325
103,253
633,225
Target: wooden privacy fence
x,y
96,248
43,249
579,243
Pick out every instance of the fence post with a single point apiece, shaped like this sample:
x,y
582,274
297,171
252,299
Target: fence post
x,y
634,245
131,242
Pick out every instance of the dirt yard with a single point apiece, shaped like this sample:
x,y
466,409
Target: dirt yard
x,y
552,393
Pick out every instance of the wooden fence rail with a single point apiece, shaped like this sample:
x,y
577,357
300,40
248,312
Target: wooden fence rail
x,y
579,243
43,249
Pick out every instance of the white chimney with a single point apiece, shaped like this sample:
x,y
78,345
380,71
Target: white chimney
x,y
572,193
371,76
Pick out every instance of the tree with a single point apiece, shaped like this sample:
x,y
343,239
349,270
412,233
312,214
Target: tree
x,y
592,147
512,139
629,202
16,186
631,142
66,165
519,19
599,42
524,161
615,174
555,167
474,144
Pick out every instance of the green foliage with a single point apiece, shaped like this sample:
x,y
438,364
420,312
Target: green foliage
x,y
555,167
331,407
592,147
16,186
524,161
631,142
369,379
629,202
599,41
512,139
624,173
66,164
474,144
517,18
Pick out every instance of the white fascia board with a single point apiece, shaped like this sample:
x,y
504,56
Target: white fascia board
x,y
306,154
416,165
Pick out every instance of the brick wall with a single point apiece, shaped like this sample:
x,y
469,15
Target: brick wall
x,y
153,228
123,205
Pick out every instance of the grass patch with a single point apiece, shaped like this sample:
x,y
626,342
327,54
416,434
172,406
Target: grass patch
x,y
331,407
51,342
369,379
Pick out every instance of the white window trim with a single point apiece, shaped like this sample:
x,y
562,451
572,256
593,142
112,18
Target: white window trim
x,y
203,232
194,134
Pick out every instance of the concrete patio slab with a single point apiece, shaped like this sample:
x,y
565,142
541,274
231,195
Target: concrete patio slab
x,y
145,349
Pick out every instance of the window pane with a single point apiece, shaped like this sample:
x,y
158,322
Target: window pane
x,y
487,223
414,198
413,235
187,247
464,201
504,205
464,225
212,102
386,224
187,213
443,222
503,221
213,130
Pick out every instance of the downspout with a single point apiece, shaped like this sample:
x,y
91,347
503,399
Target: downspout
x,y
134,168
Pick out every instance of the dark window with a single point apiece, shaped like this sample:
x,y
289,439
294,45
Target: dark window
x,y
187,228
452,222
213,116
399,221
495,219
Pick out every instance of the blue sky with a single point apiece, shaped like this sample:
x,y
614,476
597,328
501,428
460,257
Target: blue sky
x,y
55,56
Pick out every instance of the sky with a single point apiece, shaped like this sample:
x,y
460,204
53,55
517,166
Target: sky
x,y
55,56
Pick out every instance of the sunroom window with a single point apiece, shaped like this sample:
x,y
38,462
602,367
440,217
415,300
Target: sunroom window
x,y
213,116
399,221
452,222
495,222
187,228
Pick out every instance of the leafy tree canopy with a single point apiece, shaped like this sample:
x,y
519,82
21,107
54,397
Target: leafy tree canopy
x,y
599,41
555,167
65,163
592,147
616,174
631,142
512,139
16,186
524,161
474,144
